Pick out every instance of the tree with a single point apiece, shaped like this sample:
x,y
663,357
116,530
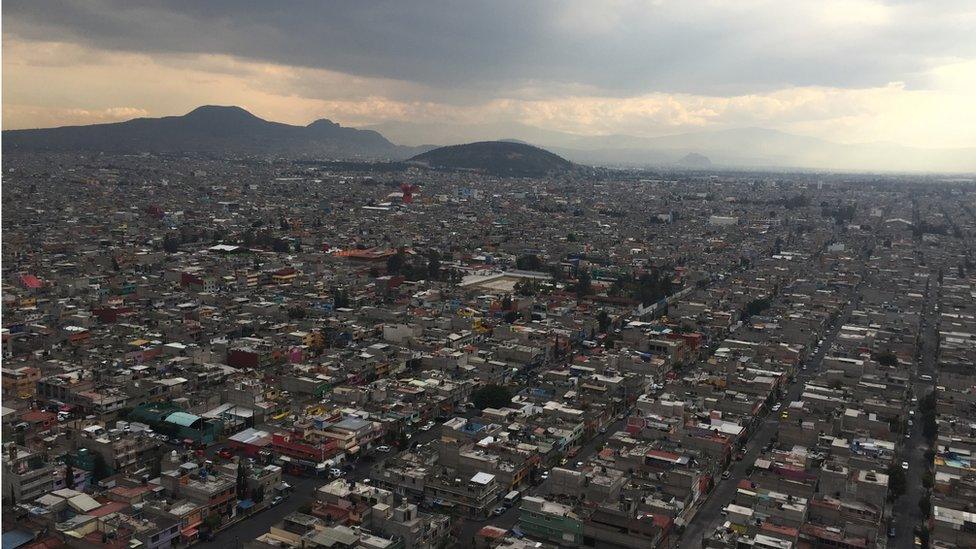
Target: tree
x,y
171,244
886,358
896,481
491,396
69,473
101,469
584,284
242,475
604,320
395,262
280,245
212,521
434,265
756,306
297,312
528,262
928,480
925,505
526,288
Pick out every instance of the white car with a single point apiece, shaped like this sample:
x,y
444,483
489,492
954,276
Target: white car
x,y
904,465
776,407
382,448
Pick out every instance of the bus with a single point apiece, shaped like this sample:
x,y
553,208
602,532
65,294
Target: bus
x,y
511,498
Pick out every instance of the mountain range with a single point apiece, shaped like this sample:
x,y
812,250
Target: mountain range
x,y
234,131
758,148
213,129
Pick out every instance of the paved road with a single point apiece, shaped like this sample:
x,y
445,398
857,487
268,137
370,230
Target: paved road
x,y
906,514
470,527
709,516
303,492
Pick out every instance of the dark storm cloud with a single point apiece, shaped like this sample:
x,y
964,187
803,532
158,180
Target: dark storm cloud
x,y
488,48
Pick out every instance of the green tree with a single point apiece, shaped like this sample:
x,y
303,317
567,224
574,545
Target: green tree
x,y
242,475
886,358
896,481
584,284
928,480
434,265
528,262
491,396
171,244
69,473
756,306
925,505
101,469
604,320
395,262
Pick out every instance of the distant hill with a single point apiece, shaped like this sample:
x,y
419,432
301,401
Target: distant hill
x,y
212,129
695,160
496,157
750,148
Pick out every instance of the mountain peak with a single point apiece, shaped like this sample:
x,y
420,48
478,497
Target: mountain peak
x,y
323,123
220,112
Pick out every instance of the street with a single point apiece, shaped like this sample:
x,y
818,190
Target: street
x,y
709,516
303,491
906,513
470,527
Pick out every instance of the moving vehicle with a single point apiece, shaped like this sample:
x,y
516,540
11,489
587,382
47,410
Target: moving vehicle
x,y
382,448
277,500
511,498
499,511
726,474
904,465
776,407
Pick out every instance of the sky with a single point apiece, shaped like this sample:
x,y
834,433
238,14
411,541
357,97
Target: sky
x,y
851,71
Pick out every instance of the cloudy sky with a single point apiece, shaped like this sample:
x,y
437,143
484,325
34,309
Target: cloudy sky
x,y
848,71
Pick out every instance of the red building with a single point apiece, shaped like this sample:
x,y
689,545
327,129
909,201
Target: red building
x,y
293,446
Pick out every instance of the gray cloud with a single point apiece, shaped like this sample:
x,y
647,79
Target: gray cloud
x,y
473,51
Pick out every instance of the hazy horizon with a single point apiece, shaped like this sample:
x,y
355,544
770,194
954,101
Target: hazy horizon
x,y
892,75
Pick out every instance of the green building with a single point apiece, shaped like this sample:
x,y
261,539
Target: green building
x,y
555,522
170,420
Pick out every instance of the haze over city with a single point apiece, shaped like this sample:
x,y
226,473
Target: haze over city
x,y
488,275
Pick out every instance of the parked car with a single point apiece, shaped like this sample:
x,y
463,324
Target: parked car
x,y
726,474
904,465
382,448
499,511
337,472
277,500
776,407
225,453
